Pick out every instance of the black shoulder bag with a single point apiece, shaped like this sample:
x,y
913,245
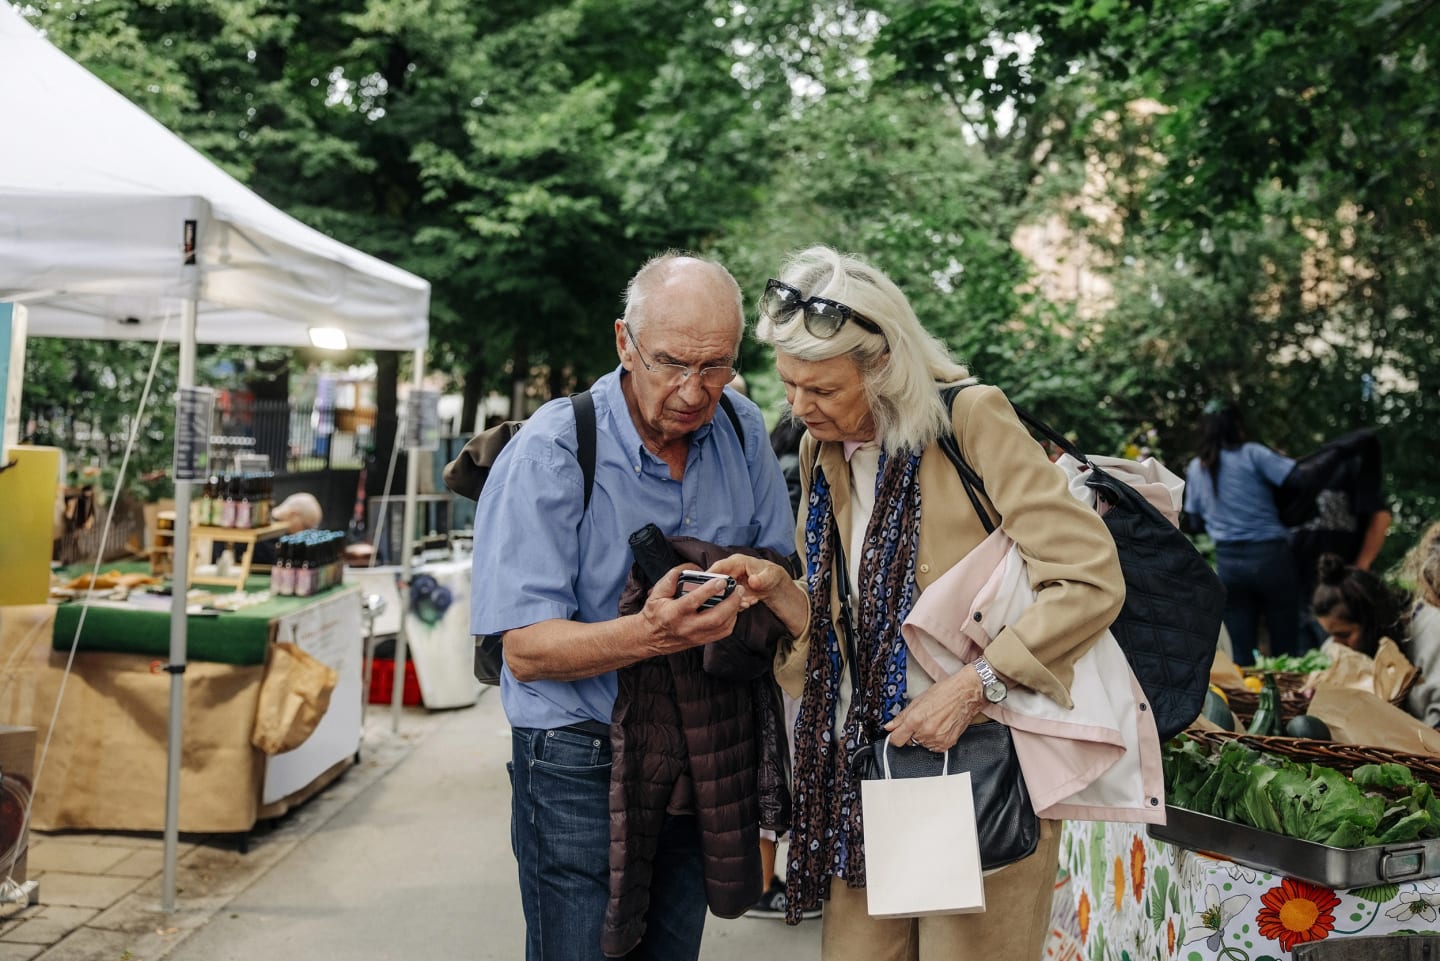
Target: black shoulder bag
x,y
1170,623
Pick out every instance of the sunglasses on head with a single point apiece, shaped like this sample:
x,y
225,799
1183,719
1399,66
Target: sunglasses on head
x,y
823,317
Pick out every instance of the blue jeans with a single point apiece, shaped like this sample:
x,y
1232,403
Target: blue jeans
x,y
1260,581
560,833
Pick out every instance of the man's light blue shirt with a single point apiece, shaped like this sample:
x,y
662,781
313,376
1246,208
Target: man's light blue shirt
x,y
1244,508
539,555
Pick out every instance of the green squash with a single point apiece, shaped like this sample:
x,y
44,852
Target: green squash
x,y
1303,725
1217,711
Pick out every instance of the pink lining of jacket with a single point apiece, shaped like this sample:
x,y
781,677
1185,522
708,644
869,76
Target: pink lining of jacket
x,y
1098,761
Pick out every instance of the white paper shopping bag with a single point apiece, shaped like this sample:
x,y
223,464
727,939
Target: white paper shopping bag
x,y
922,852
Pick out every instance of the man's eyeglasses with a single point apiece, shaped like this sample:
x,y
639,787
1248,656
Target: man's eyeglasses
x,y
674,375
823,317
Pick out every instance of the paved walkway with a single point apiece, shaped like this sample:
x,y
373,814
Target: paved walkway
x,y
406,856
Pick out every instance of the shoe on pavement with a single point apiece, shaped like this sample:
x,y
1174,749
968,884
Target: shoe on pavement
x,y
772,904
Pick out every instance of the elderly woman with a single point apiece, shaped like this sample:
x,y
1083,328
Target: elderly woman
x,y
866,380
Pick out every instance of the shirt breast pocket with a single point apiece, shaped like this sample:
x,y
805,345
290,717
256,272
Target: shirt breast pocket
x,y
741,535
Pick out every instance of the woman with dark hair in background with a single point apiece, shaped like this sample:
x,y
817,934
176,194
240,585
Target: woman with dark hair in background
x,y
1354,607
1230,488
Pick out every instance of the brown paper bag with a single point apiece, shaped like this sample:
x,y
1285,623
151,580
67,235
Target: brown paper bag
x,y
1224,673
293,698
1359,717
1393,671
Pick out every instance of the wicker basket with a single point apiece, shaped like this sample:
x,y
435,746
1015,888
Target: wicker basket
x,y
1293,703
1243,702
1344,758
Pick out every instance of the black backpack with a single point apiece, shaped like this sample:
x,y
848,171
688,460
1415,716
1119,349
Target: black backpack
x,y
1297,499
467,473
1170,623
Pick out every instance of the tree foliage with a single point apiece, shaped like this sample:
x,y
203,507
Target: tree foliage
x,y
1247,189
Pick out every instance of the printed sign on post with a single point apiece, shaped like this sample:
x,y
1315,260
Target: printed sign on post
x,y
422,420
12,375
194,411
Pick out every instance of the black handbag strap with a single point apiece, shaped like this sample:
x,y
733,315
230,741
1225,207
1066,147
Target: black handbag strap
x,y
841,572
971,481
974,486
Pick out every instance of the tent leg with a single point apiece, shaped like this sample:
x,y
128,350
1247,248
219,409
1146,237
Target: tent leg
x,y
412,481
179,588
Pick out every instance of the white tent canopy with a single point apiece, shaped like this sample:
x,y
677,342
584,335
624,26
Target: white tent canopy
x,y
95,197
110,225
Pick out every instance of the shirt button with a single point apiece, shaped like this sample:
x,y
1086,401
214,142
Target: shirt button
x,y
637,468
979,616
924,568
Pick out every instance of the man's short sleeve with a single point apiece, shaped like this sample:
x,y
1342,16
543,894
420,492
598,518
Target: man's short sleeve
x,y
526,542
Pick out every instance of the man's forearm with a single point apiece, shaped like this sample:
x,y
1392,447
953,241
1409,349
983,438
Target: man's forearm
x,y
560,650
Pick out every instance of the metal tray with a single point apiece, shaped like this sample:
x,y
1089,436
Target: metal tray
x,y
1278,854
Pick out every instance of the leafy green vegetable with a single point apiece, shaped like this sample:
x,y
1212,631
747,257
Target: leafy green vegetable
x,y
1378,804
1311,660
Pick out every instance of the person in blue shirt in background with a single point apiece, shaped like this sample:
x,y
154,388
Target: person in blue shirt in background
x,y
1230,490
548,573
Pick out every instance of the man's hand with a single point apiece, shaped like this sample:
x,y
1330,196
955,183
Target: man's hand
x,y
679,623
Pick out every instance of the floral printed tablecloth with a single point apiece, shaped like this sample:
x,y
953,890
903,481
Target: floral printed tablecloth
x,y
1121,896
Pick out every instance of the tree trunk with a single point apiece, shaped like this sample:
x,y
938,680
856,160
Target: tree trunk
x,y
270,385
519,381
387,420
471,395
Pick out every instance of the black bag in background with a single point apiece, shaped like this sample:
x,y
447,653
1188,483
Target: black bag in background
x,y
1297,499
1170,623
1004,818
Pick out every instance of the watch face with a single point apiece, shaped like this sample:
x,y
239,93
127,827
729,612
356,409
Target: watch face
x,y
995,693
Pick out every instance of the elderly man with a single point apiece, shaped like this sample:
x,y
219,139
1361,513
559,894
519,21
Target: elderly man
x,y
548,575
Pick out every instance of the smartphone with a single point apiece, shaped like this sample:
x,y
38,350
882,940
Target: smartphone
x,y
689,580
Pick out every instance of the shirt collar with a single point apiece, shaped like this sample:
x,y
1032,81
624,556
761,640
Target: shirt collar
x,y
629,436
851,446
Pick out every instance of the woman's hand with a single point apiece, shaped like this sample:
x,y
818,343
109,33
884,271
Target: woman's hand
x,y
936,719
768,583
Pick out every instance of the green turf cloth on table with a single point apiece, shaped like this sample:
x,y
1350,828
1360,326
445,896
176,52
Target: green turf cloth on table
x,y
228,637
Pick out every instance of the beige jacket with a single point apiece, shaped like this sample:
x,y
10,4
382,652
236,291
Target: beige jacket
x,y
1069,554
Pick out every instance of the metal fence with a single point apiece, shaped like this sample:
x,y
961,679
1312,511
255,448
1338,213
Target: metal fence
x,y
295,438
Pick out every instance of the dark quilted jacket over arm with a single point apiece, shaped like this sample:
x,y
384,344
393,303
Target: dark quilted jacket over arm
x,y
695,732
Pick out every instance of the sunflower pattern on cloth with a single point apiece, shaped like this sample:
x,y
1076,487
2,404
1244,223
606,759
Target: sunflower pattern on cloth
x,y
1122,895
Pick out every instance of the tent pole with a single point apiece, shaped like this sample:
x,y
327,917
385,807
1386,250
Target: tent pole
x,y
179,588
412,481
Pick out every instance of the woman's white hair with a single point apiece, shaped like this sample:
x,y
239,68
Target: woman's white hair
x,y
902,370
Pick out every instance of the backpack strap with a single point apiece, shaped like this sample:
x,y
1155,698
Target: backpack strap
x,y
729,406
584,407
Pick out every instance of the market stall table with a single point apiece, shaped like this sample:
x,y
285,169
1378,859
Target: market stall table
x,y
202,536
1123,894
107,756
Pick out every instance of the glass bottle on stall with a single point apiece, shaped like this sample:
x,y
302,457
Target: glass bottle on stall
x,y
304,569
244,503
265,501
227,504
282,575
201,511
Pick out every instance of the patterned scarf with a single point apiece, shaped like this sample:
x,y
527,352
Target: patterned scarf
x,y
825,832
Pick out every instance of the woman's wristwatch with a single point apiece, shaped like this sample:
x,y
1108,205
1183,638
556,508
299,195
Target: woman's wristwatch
x,y
995,689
